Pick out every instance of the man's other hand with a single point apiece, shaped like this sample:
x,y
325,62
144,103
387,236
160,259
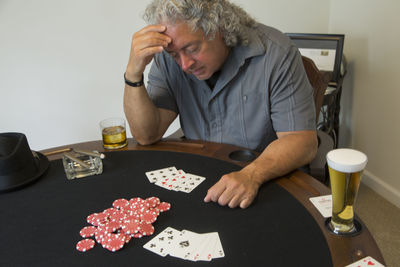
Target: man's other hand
x,y
234,189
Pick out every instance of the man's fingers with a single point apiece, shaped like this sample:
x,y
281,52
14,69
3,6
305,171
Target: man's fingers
x,y
226,196
149,51
215,192
153,28
234,202
246,202
143,41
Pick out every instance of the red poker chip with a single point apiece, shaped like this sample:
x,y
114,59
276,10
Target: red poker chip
x,y
121,203
130,228
140,207
127,238
88,231
153,201
91,218
146,229
101,218
155,210
99,238
115,243
132,218
148,216
112,226
164,206
110,211
137,235
85,245
135,200
118,216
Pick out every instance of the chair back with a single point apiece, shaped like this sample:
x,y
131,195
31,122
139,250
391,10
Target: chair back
x,y
319,81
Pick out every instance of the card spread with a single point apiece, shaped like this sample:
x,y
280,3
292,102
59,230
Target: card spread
x,y
323,205
186,245
172,179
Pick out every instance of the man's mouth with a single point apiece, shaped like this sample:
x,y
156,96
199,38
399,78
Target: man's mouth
x,y
197,71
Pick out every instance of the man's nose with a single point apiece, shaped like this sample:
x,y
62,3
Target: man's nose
x,y
186,62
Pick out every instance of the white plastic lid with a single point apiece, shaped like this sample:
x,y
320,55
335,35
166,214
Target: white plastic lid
x,y
346,160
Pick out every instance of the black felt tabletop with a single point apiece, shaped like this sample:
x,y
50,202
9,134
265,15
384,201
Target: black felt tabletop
x,y
40,224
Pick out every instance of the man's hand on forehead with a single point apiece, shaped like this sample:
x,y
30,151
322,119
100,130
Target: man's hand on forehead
x,y
156,33
145,44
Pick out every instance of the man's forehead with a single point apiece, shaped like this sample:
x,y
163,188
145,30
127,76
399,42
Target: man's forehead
x,y
182,36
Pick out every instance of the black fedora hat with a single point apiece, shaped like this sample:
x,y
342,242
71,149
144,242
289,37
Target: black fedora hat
x,y
19,165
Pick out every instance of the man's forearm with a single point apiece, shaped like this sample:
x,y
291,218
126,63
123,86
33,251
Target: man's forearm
x,y
285,154
142,115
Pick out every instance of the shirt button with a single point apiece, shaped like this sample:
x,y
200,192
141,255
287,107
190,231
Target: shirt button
x,y
214,125
245,97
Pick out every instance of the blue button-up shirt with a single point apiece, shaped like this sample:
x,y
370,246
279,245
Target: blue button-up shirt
x,y
262,89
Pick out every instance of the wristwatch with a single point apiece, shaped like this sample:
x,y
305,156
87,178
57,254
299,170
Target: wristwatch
x,y
133,84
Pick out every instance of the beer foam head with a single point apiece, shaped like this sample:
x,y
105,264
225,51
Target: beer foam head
x,y
346,160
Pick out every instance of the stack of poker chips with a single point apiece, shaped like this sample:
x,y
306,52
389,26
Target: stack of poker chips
x,y
116,226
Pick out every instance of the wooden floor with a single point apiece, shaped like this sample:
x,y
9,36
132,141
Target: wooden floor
x,y
383,221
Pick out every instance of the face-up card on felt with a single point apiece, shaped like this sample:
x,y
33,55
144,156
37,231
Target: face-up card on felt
x,y
323,205
192,182
367,261
218,250
184,244
161,243
206,248
155,175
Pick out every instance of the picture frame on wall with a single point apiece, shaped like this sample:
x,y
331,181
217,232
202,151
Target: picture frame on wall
x,y
326,50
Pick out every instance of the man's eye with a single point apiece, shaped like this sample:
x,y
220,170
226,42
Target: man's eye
x,y
174,55
192,50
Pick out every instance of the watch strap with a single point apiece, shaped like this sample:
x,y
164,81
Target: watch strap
x,y
133,84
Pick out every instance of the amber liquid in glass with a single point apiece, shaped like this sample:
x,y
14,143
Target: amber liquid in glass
x,y
344,192
114,137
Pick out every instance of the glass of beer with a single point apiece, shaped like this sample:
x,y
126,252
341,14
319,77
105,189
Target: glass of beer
x,y
114,133
345,170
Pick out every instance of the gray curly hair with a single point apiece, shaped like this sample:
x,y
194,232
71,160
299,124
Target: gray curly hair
x,y
208,15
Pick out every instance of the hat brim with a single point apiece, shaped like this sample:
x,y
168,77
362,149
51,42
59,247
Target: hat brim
x,y
43,165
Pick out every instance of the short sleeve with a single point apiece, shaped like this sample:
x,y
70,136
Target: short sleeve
x,y
291,95
158,85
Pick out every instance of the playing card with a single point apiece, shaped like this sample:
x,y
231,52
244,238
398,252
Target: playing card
x,y
155,175
165,182
367,261
179,181
161,243
185,243
323,204
192,182
206,248
218,250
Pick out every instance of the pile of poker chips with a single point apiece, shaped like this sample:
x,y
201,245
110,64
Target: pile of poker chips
x,y
114,227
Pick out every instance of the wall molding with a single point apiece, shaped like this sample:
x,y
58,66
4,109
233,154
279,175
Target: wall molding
x,y
382,188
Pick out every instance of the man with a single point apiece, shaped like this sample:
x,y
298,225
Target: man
x,y
231,80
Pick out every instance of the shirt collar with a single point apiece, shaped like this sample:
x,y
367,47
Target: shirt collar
x,y
237,59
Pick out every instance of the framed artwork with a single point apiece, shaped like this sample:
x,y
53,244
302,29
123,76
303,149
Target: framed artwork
x,y
326,50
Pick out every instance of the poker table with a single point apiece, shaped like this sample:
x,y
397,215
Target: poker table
x,y
40,223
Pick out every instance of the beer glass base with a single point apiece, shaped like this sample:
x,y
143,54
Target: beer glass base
x,y
355,231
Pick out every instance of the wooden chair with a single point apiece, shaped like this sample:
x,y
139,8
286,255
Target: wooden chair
x,y
319,81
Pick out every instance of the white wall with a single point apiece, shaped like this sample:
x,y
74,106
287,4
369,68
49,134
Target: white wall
x,y
372,92
61,66
61,62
